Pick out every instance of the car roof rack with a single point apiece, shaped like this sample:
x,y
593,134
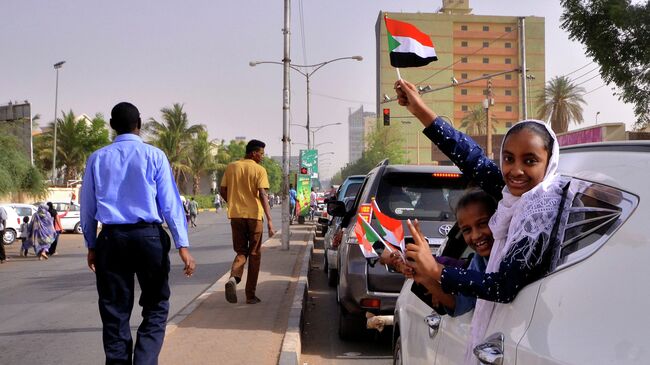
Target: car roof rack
x,y
383,162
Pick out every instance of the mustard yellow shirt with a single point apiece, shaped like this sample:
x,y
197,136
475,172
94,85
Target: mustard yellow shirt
x,y
243,179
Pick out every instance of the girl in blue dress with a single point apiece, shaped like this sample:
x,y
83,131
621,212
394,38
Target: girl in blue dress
x,y
529,192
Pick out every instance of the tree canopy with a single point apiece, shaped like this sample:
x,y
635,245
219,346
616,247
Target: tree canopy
x,y
236,150
17,175
561,103
615,34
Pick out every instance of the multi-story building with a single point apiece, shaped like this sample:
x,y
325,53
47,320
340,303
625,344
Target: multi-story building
x,y
361,124
469,47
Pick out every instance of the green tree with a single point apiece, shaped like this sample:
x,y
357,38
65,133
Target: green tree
x,y
76,138
174,136
561,103
615,34
200,159
474,122
17,175
274,172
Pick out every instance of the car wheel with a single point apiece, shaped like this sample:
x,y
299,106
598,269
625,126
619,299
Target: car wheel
x,y
9,236
350,326
332,277
77,228
397,352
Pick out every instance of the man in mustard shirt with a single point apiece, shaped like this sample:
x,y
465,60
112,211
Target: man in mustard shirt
x,y
244,186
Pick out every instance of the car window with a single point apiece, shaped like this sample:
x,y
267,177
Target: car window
x,y
352,189
23,211
419,195
74,208
596,212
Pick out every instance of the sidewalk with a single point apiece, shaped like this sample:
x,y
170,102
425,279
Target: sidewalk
x,y
213,331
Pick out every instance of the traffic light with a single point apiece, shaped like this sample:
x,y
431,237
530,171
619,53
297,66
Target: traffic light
x,y
303,170
386,116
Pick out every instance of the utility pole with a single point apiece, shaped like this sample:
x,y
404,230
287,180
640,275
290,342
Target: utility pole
x,y
286,104
488,120
522,50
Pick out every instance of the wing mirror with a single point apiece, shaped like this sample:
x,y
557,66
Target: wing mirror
x,y
336,208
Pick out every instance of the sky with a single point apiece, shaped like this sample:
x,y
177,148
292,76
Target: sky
x,y
156,53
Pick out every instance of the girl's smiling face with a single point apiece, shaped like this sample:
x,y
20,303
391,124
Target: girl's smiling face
x,y
473,222
524,160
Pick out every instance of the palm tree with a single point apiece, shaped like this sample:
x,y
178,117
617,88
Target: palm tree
x,y
173,136
561,103
200,159
475,123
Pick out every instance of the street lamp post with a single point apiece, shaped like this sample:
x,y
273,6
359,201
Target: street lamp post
x,y
304,70
597,113
316,129
57,66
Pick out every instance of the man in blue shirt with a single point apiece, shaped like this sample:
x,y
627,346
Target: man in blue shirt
x,y
293,197
128,186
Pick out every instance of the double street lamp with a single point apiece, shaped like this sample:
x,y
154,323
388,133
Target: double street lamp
x,y
57,66
307,71
313,131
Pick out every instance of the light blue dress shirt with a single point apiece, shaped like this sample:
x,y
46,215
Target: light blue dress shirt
x,y
128,182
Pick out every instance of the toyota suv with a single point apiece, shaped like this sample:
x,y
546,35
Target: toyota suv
x,y
590,308
426,193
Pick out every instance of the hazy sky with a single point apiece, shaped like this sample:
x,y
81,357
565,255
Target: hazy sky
x,y
155,53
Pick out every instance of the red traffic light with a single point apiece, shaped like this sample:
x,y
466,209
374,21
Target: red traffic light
x,y
303,170
386,116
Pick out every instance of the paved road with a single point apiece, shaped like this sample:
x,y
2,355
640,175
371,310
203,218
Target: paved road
x,y
321,344
48,309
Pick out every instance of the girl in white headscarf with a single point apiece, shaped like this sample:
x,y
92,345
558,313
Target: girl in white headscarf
x,y
531,193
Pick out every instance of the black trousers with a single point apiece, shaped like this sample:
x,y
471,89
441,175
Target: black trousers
x,y
3,255
122,253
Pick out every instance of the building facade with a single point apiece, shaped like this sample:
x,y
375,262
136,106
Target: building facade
x,y
360,123
469,47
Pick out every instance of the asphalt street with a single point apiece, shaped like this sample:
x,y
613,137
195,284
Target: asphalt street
x,y
48,309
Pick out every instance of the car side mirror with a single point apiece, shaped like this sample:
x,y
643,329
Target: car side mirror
x,y
336,208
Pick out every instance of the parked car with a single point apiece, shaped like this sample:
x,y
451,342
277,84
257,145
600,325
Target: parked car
x,y
70,214
331,244
402,192
591,307
15,214
349,188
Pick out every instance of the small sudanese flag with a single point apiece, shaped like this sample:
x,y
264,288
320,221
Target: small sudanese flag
x,y
408,46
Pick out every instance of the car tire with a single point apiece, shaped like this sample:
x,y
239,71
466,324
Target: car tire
x,y
397,352
78,229
9,236
351,327
332,277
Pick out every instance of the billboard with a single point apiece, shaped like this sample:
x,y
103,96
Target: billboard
x,y
309,160
16,121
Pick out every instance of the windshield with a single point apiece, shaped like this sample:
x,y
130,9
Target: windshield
x,y
352,189
418,195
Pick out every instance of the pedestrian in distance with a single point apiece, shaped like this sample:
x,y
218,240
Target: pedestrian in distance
x,y
244,187
194,211
41,233
217,202
24,232
129,187
3,225
57,228
293,198
530,193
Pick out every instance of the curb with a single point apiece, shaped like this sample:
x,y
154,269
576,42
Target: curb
x,y
291,344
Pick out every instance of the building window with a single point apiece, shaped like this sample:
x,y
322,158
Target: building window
x,y
486,28
508,29
508,92
508,45
463,60
463,91
486,44
463,27
463,44
508,77
486,60
463,108
508,124
463,76
508,108
508,61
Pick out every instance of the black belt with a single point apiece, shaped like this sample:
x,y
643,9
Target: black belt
x,y
132,225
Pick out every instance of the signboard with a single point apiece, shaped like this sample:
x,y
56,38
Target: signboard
x,y
309,160
581,136
303,188
16,120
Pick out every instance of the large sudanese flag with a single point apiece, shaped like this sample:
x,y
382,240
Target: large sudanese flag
x,y
390,228
408,46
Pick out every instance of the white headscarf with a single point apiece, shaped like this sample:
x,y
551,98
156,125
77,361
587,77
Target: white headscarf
x,y
529,216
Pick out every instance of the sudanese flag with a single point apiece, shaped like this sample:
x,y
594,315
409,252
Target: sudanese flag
x,y
408,46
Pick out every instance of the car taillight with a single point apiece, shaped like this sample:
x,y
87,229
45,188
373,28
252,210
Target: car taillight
x,y
370,303
365,211
18,220
447,175
336,241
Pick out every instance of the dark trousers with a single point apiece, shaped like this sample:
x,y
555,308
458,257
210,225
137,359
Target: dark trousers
x,y
123,252
52,249
3,255
247,243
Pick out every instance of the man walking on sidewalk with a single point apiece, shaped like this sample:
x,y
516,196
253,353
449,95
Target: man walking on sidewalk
x,y
244,187
129,187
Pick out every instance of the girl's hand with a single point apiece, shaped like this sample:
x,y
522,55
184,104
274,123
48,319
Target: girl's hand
x,y
408,96
426,269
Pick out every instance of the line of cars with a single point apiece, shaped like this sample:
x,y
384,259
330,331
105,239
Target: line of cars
x,y
69,213
589,309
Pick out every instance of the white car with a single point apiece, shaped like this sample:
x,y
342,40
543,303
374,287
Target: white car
x,y
70,214
15,214
592,307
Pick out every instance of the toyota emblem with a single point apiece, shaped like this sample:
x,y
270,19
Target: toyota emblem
x,y
444,229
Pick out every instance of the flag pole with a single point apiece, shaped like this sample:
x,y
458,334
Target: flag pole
x,y
399,77
378,236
